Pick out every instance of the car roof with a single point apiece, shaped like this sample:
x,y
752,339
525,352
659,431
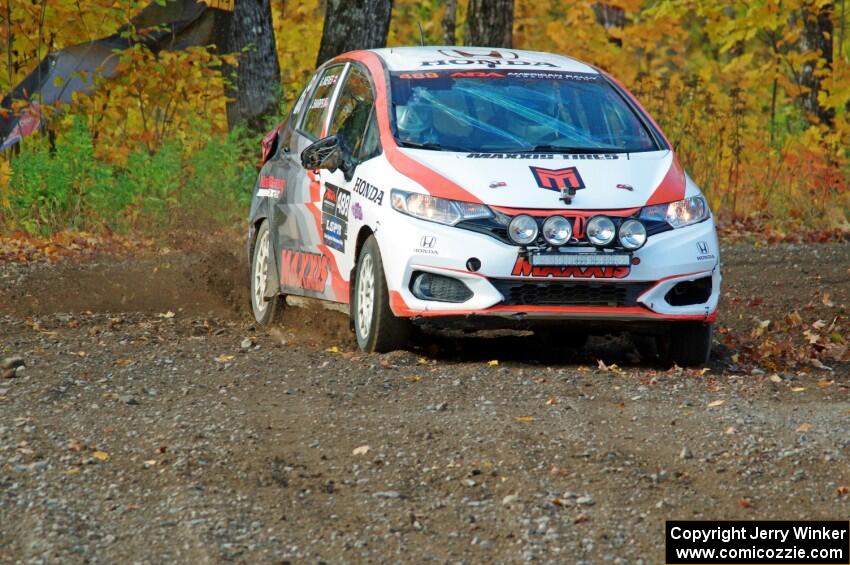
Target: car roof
x,y
454,57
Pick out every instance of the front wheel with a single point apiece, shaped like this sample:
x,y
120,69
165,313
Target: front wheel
x,y
263,308
688,344
376,327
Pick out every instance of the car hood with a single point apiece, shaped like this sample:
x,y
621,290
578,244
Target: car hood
x,y
603,181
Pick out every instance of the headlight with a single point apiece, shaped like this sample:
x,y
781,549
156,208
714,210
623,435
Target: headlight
x,y
601,230
523,229
632,234
557,230
680,213
433,209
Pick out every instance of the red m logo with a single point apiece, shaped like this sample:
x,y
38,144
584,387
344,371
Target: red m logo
x,y
558,179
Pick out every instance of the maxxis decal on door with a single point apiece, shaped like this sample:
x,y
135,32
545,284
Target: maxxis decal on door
x,y
335,204
299,269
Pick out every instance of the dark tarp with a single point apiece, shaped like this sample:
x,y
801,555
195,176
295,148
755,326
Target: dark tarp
x,y
177,25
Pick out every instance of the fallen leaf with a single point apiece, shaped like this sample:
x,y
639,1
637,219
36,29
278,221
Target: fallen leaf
x,y
224,358
817,364
75,445
123,362
798,389
552,401
149,463
818,324
72,471
825,384
745,503
842,490
101,455
162,449
730,430
168,315
332,349
825,299
362,450
422,360
716,403
794,319
413,378
804,427
524,419
493,363
775,378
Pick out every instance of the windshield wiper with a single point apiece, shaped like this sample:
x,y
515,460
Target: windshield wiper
x,y
562,149
430,146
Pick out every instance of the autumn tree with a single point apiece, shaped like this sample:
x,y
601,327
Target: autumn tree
x,y
354,24
489,23
254,83
449,23
816,43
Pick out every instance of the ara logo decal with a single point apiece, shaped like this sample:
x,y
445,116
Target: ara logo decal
x,y
477,74
304,270
524,268
558,179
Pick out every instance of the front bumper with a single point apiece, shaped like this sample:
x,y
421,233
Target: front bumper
x,y
409,246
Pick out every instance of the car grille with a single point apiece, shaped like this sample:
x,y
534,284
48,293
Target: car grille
x,y
569,294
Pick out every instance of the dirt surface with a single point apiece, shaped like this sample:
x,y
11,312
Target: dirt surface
x,y
153,422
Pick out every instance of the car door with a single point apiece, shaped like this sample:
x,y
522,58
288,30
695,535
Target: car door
x,y
352,113
303,266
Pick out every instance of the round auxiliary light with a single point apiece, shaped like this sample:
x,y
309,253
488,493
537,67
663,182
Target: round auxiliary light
x,y
522,229
632,234
601,230
557,230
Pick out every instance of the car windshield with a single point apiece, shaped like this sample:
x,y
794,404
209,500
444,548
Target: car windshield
x,y
514,111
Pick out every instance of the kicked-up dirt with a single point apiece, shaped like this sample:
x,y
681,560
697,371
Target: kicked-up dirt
x,y
154,422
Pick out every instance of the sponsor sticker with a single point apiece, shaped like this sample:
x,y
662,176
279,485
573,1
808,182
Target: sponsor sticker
x,y
368,191
554,156
335,206
270,186
299,269
558,179
524,268
357,211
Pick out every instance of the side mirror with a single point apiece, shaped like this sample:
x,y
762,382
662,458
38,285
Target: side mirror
x,y
329,153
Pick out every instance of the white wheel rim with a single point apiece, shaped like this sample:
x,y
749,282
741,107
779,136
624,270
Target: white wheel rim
x,y
261,271
365,296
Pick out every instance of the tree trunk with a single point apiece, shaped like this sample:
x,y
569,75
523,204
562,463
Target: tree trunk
x,y
816,38
489,23
354,24
609,17
248,32
450,23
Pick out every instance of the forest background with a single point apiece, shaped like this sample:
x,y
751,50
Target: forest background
x,y
754,96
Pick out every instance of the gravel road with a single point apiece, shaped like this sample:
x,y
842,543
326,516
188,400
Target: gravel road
x,y
153,422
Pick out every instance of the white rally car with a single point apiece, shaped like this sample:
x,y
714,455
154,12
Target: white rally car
x,y
481,187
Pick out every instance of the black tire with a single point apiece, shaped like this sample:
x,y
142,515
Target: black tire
x,y
688,344
263,309
380,331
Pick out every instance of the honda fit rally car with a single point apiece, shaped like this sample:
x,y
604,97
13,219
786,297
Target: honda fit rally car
x,y
482,188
